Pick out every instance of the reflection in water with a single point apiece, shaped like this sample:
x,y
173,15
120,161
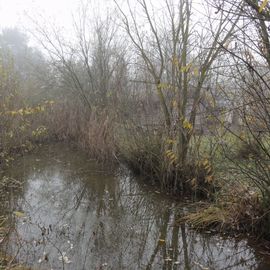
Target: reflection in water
x,y
78,216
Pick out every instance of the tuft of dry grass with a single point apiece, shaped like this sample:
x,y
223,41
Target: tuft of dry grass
x,y
209,217
238,210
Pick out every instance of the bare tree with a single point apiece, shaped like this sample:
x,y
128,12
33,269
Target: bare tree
x,y
250,54
90,64
178,52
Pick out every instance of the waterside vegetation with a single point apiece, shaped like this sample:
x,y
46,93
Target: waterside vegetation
x,y
182,101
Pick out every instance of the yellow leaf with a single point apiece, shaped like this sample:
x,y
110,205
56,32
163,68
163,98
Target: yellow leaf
x,y
194,182
170,141
20,111
170,155
161,241
12,113
196,72
205,162
173,160
19,214
187,125
186,68
263,5
209,179
163,86
175,61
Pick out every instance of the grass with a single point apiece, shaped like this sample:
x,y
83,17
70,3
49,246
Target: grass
x,y
240,204
237,207
8,263
233,202
209,217
91,132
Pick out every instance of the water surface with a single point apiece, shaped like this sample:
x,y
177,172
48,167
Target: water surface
x,y
71,213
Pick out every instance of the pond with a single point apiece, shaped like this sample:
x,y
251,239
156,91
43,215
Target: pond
x,y
71,213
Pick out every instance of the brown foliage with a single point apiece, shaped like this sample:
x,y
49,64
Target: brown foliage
x,y
92,132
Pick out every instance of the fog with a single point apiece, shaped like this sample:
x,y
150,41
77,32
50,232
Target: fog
x,y
176,90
